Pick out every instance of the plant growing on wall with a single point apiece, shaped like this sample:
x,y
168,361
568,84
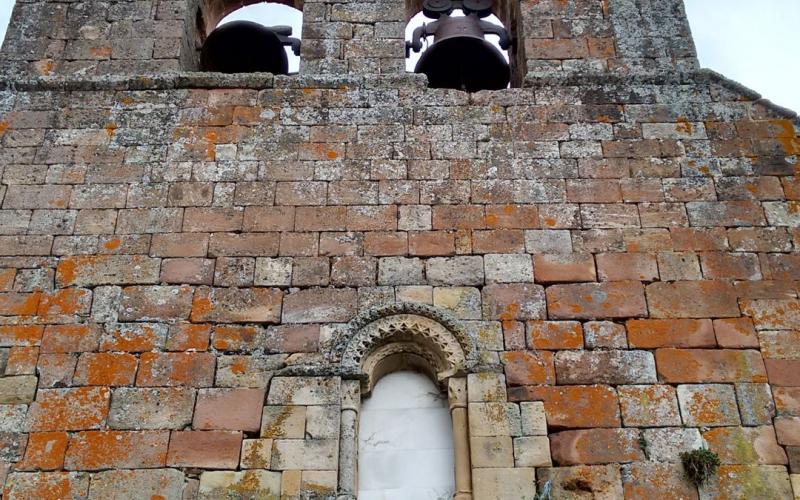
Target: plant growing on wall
x,y
699,465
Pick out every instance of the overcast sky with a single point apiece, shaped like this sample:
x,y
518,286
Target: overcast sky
x,y
756,43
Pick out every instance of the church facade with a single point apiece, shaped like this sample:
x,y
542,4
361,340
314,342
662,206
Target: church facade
x,y
204,275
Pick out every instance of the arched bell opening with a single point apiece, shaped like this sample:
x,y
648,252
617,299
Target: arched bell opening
x,y
249,36
464,44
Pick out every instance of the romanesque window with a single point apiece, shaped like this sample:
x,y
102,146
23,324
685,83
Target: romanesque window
x,y
405,440
263,37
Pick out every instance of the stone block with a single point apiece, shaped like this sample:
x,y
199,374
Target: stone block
x,y
665,444
401,271
595,446
465,271
504,483
151,408
44,451
322,422
304,391
237,305
508,268
513,302
604,335
528,367
756,406
746,445
653,480
248,484
709,365
494,419
649,406
40,484
256,454
320,305
564,267
96,450
204,449
121,484
486,387
654,333
305,454
532,451
534,420
17,390
753,481
463,302
491,451
571,407
598,481
605,367
555,334
229,409
73,409
708,405
283,422
616,299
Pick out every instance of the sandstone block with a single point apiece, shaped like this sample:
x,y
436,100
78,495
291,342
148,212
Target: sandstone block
x,y
121,484
527,367
95,450
616,299
601,481
249,484
486,387
746,445
757,481
304,391
564,267
69,409
45,451
17,390
320,305
400,271
653,333
570,407
504,483
204,449
90,270
192,369
283,422
652,480
237,305
466,271
463,302
305,454
555,334
649,406
707,365
605,367
256,454
708,405
533,451
595,446
508,268
155,303
604,335
692,299
491,451
494,419
513,302
665,444
39,484
534,420
156,408
229,409
756,405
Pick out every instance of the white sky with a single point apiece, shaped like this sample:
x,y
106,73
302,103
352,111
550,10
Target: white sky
x,y
756,43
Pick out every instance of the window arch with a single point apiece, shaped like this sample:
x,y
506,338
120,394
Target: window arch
x,y
248,36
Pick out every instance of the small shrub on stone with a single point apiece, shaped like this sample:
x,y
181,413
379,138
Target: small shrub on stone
x,y
699,465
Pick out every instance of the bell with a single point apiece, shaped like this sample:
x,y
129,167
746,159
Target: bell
x,y
460,57
248,47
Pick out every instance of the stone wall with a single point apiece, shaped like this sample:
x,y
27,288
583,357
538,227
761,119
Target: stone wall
x,y
183,257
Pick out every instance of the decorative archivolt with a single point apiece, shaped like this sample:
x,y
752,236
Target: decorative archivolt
x,y
405,336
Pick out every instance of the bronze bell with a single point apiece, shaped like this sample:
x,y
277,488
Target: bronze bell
x,y
460,57
248,47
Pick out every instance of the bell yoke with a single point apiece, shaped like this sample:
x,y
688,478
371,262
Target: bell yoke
x,y
460,57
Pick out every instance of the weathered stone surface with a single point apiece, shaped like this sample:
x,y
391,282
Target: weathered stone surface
x,y
596,300
304,391
320,305
204,449
692,299
573,407
513,302
666,444
306,454
754,481
16,390
237,305
705,365
229,409
605,367
248,484
498,483
746,445
649,406
708,405
650,480
595,446
151,408
599,481
95,450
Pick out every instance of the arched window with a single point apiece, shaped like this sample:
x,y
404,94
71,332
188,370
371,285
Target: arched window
x,y
405,440
259,37
461,44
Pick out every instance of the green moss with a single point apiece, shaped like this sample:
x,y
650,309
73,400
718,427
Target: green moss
x,y
699,465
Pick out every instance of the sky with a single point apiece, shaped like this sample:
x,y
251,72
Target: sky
x,y
756,43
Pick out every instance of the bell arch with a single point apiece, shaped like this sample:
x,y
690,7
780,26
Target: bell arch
x,y
398,337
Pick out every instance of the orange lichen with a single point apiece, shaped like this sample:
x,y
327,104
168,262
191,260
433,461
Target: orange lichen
x,y
550,222
331,154
201,307
510,312
239,366
684,126
64,301
66,270
112,244
3,127
111,129
100,52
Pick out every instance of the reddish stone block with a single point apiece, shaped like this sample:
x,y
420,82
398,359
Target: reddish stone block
x,y
385,243
299,244
604,335
320,218
788,431
573,406
20,335
105,368
431,243
55,370
192,369
595,446
204,449
243,245
229,409
68,301
512,216
458,217
188,337
653,333
746,445
188,271
758,481
237,305
708,405
627,266
736,333
593,191
528,368
292,338
706,365
269,218
566,267
95,450
692,299
90,270
516,301
741,266
555,335
780,266
617,299
45,451
783,372
698,239
498,241
787,401
514,335
70,338
179,245
350,270
69,409
19,304
212,219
